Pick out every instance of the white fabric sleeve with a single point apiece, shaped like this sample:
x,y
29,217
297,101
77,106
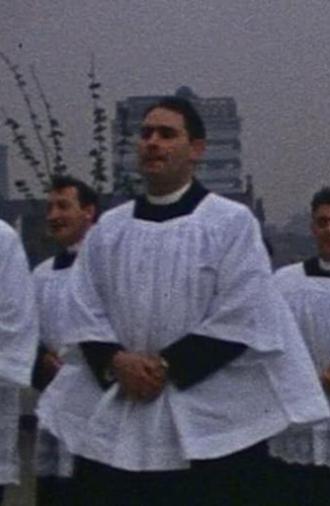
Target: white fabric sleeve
x,y
84,315
18,316
246,307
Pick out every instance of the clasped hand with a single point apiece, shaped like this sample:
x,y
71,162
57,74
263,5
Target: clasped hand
x,y
325,379
141,377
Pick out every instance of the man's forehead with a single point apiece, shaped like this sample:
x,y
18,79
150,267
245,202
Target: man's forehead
x,y
164,117
322,210
68,192
321,215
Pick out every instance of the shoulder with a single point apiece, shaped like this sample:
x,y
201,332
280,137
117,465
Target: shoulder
x,y
117,214
110,225
9,240
14,263
217,203
220,211
7,232
290,277
43,268
227,219
233,230
292,270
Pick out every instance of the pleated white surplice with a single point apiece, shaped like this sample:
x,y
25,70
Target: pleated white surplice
x,y
309,300
18,340
49,285
51,456
146,285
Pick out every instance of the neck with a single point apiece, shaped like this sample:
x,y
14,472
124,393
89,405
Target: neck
x,y
162,188
169,198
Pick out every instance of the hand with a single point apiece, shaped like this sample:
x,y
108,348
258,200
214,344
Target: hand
x,y
325,379
141,377
51,363
46,367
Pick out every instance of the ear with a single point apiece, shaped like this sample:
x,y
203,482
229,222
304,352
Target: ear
x,y
90,212
197,148
312,227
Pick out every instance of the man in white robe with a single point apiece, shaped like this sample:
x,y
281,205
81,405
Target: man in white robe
x,y
183,353
71,211
18,341
304,476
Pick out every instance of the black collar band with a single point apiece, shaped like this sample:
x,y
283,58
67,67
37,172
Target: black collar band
x,y
144,210
64,260
312,268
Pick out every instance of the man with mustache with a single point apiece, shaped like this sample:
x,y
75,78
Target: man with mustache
x,y
71,211
188,350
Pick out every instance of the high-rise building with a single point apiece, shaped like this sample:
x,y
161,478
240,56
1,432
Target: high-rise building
x,y
4,191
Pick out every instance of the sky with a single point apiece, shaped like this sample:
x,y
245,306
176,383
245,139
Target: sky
x,y
273,57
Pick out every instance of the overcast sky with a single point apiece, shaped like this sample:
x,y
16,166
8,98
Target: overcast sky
x,y
273,57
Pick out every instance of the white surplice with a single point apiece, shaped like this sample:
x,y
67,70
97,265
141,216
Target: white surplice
x,y
309,300
145,285
18,340
51,456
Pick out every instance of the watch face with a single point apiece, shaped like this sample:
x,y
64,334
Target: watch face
x,y
164,363
108,376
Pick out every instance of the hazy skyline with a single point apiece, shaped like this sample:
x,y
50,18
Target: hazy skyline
x,y
272,57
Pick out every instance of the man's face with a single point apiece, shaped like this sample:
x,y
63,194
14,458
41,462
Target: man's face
x,y
166,154
321,230
67,220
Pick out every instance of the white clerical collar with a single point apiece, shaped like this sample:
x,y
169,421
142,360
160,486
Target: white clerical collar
x,y
325,266
74,248
170,198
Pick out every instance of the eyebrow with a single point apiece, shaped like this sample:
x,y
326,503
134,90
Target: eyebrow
x,y
163,130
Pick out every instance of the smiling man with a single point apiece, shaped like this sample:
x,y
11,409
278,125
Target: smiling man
x,y
71,211
303,478
188,349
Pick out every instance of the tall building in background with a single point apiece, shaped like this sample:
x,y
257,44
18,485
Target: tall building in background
x,y
4,186
220,168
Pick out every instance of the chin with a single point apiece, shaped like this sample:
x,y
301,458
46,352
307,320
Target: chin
x,y
60,239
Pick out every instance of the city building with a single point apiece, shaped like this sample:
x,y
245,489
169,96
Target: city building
x,y
3,172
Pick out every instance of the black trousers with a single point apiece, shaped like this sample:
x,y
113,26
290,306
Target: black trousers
x,y
54,491
2,491
241,479
299,485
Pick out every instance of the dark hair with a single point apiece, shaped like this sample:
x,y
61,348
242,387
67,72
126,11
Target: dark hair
x,y
86,195
192,120
321,197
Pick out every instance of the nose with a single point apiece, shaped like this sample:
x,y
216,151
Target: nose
x,y
52,213
153,137
152,141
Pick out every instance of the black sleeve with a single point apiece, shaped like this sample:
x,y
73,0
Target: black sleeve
x,y
98,356
42,375
194,357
